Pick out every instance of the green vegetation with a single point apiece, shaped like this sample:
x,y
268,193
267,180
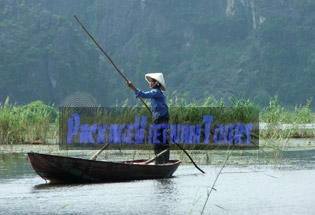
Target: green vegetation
x,y
277,117
38,123
32,123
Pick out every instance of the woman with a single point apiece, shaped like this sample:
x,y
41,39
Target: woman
x,y
159,109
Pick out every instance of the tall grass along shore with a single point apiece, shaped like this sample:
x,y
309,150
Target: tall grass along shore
x,y
38,123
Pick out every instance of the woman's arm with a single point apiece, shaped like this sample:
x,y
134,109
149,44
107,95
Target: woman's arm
x,y
141,94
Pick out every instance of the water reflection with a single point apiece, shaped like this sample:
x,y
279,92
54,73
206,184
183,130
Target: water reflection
x,y
14,165
53,186
166,195
166,189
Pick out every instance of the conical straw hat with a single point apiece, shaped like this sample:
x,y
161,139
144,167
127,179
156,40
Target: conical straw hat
x,y
158,77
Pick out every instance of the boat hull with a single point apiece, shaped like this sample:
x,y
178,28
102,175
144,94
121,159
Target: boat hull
x,y
62,169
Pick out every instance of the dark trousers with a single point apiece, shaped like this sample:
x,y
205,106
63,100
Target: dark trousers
x,y
159,147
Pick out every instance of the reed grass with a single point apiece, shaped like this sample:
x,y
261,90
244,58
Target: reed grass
x,y
37,122
32,123
275,116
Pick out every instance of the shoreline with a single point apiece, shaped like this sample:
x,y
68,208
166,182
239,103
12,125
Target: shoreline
x,y
284,144
267,154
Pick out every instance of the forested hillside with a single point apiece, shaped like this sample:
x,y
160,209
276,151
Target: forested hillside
x,y
261,48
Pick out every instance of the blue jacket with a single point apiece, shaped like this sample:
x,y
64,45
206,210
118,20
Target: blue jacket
x,y
158,103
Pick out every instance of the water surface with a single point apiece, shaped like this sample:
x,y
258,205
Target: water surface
x,y
288,188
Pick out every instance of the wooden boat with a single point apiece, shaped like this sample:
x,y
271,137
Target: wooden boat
x,y
61,169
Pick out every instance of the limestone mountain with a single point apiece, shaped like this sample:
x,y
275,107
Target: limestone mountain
x,y
217,47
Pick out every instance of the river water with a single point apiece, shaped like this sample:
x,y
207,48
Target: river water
x,y
286,188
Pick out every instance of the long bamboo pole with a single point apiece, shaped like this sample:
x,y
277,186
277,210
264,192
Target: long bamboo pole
x,y
112,62
124,77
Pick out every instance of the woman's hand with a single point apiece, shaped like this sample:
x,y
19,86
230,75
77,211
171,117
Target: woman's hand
x,y
130,85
